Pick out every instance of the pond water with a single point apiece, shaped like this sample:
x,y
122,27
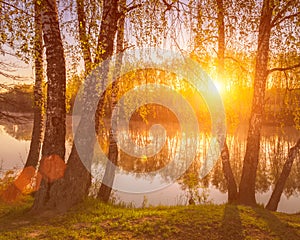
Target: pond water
x,y
275,142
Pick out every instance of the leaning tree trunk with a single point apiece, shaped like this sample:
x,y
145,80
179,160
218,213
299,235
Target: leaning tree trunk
x,y
15,190
36,138
247,184
53,148
74,186
225,156
277,192
109,174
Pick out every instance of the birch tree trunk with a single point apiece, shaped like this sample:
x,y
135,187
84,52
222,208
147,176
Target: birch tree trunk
x,y
247,184
54,141
225,156
84,42
73,188
36,138
55,130
277,192
15,190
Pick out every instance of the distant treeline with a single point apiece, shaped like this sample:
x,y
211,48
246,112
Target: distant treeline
x,y
281,105
17,99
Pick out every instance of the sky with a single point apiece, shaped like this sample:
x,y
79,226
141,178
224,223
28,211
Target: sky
x,y
20,69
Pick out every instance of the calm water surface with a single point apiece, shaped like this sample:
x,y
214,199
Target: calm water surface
x,y
15,140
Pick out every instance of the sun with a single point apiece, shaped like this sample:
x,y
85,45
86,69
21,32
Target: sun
x,y
219,86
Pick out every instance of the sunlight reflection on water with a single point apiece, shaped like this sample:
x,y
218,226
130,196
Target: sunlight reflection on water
x,y
15,146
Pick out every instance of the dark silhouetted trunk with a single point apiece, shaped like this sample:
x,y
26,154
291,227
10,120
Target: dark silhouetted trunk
x,y
221,38
225,156
247,184
227,170
109,175
279,186
55,130
84,42
107,30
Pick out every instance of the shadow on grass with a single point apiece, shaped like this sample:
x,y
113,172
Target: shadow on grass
x,y
231,228
14,214
279,229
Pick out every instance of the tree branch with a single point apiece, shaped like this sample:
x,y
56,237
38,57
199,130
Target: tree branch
x,y
238,62
285,18
206,39
281,12
169,6
8,4
283,69
128,9
125,48
13,77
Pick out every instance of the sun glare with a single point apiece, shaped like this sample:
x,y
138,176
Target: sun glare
x,y
219,86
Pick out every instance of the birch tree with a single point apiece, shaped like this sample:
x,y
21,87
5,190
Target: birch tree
x,y
28,172
272,14
55,130
74,186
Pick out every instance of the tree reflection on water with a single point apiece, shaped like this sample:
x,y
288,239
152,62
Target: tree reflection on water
x,y
275,143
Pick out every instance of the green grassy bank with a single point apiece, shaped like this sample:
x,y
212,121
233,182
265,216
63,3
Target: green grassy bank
x,y
95,220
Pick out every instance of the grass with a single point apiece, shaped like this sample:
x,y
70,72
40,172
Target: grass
x,y
95,220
